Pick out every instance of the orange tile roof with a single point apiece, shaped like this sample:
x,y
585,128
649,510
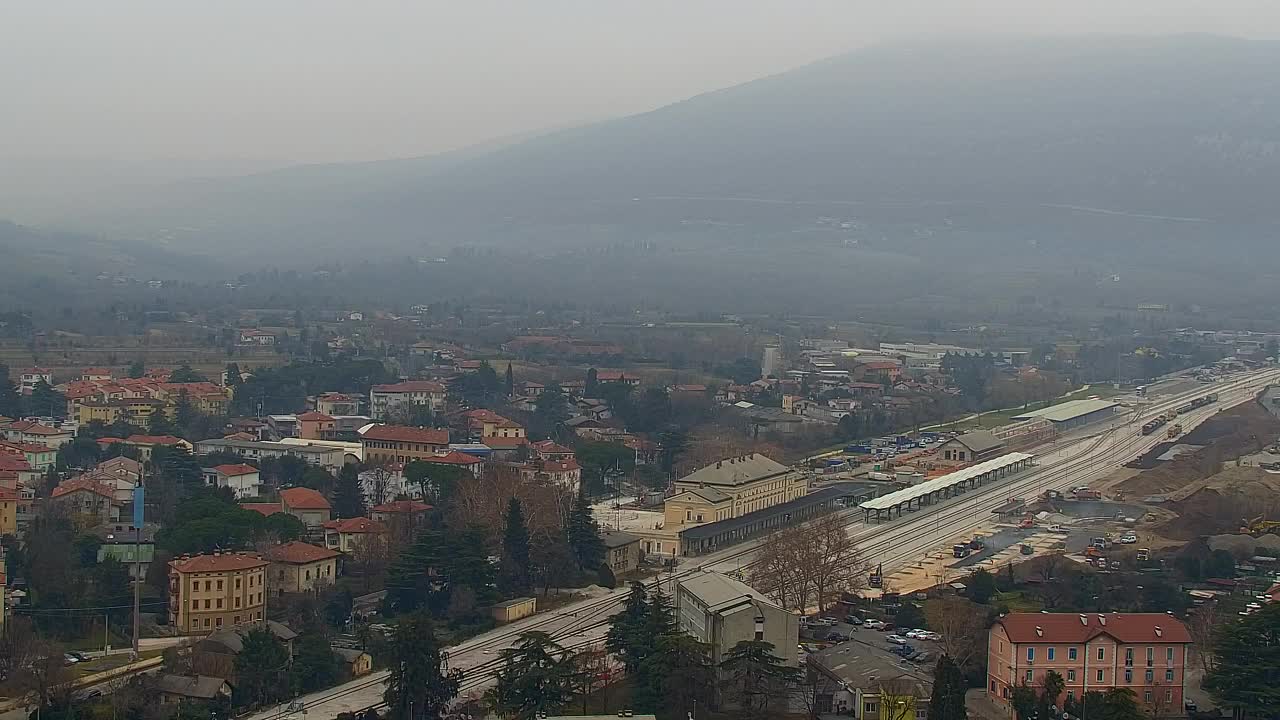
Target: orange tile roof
x,y
30,427
78,484
300,498
550,446
401,506
152,440
356,526
453,457
426,386
266,508
298,553
314,416
219,562
1070,628
235,469
401,433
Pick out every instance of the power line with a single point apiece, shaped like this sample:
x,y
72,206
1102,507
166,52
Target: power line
x,y
86,609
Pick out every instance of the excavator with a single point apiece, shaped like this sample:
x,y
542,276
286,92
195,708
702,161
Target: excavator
x,y
1260,526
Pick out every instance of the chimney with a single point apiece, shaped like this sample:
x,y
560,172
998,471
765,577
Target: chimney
x,y
1159,631
1039,631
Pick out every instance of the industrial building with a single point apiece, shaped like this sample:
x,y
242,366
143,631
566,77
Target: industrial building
x,y
713,536
722,612
971,447
955,483
1073,414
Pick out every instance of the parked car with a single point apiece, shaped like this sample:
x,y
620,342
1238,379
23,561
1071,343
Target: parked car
x,y
1128,539
836,636
896,639
853,619
905,650
914,634
873,624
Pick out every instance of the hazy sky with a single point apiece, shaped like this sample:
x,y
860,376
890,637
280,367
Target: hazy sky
x,y
187,87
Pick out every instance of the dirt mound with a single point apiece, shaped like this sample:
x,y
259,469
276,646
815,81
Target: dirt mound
x,y
1218,504
1226,436
1243,546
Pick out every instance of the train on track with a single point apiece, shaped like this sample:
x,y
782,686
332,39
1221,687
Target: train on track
x,y
1152,425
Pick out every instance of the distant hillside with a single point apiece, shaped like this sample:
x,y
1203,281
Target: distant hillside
x,y
1123,155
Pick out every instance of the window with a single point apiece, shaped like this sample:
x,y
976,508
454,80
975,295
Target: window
x,y
1151,656
219,584
1031,676
237,601
195,604
308,574
1071,695
208,585
1149,677
1168,655
1146,696
206,605
871,707
993,686
1128,677
1128,657
1168,675
688,514
1071,676
1102,653
237,583
195,623
1031,654
1100,676
1168,696
219,603
236,620
206,622
1050,655
217,622
1071,653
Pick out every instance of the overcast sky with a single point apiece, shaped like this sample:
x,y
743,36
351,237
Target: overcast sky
x,y
194,87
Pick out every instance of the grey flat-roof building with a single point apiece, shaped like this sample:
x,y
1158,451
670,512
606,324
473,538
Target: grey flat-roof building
x,y
721,611
1075,413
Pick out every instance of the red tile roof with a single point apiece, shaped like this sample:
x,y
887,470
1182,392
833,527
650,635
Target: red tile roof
x,y
426,386
568,465
220,562
612,375
551,447
401,506
300,498
83,484
453,457
9,461
880,365
96,371
236,469
1070,628
30,427
298,553
266,508
401,433
24,447
355,526
152,440
314,416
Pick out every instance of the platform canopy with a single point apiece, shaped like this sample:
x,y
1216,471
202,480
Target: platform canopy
x,y
944,482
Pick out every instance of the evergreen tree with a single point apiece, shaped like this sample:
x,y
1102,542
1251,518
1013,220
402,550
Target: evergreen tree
x,y
185,374
10,398
314,665
137,369
420,684
947,702
233,374
515,580
261,667
549,410
583,533
348,494
755,678
679,678
1049,693
536,678
160,424
511,382
46,402
1247,680
660,620
592,384
626,637
184,413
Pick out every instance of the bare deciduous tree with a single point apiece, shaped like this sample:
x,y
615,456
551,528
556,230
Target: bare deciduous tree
x,y
810,563
898,698
963,627
1202,624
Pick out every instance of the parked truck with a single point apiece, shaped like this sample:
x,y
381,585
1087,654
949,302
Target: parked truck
x,y
1174,431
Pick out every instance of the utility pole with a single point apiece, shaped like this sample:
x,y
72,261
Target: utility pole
x,y
139,515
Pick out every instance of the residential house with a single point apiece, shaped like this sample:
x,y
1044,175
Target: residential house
x,y
622,551
867,682
411,512
30,377
385,401
95,375
120,541
307,505
347,535
8,512
147,443
38,456
505,447
316,426
135,411
551,450
208,593
244,480
566,474
721,611
299,567
399,443
484,424
618,376
89,501
30,431
173,689
462,460
334,403
216,654
330,457
1093,652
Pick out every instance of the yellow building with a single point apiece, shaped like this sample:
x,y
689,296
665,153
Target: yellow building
x,y
210,592
8,511
732,488
135,411
299,567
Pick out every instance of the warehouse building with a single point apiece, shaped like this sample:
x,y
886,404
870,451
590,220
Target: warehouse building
x,y
1076,413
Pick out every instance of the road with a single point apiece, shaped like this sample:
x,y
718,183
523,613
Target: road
x,y
1076,459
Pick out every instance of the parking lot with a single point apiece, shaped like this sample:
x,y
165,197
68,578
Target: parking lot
x,y
920,650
